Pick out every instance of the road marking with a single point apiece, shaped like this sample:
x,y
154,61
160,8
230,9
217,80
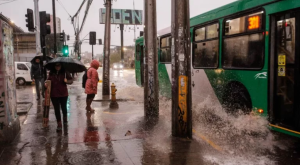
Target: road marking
x,y
285,129
208,141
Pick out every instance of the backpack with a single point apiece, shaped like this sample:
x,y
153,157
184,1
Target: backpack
x,y
84,78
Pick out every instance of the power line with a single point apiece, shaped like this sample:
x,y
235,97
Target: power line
x,y
7,2
64,7
134,25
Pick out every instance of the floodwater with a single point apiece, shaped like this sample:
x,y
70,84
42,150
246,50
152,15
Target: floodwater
x,y
122,136
242,139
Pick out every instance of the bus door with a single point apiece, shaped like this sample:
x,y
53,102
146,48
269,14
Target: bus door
x,y
285,62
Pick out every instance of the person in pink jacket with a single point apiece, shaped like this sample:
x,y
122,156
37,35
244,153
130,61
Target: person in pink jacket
x,y
91,84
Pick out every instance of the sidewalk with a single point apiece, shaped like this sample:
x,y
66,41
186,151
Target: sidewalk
x,y
104,137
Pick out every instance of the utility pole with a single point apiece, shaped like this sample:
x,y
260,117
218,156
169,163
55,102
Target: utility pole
x,y
54,25
37,26
122,42
181,70
18,47
151,103
106,58
92,52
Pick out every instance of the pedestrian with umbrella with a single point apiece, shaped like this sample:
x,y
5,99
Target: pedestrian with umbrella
x,y
37,74
60,69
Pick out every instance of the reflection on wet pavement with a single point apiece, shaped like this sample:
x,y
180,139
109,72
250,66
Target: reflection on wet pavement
x,y
116,137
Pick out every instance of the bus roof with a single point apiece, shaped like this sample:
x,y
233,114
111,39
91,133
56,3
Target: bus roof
x,y
231,8
164,31
228,9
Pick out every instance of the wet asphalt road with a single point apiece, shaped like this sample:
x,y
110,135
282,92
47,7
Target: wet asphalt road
x,y
123,137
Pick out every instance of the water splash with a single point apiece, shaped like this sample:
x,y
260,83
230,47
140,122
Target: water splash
x,y
243,138
131,92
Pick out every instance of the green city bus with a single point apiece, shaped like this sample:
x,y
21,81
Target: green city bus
x,y
243,58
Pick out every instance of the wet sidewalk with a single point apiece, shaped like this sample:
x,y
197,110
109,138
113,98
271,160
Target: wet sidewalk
x,y
105,137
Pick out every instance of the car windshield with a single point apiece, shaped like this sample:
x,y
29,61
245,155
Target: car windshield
x,y
29,65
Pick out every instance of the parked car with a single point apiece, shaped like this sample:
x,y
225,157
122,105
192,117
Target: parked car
x,y
118,66
22,73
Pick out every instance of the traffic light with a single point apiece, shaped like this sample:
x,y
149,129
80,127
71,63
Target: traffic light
x,y
65,51
92,38
62,37
100,41
44,19
29,20
79,58
68,37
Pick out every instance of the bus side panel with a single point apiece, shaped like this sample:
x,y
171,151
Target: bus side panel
x,y
254,81
138,73
202,89
164,77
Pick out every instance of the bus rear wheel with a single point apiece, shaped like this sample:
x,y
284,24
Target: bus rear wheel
x,y
237,100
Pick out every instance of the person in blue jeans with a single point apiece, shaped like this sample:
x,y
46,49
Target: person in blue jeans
x,y
37,76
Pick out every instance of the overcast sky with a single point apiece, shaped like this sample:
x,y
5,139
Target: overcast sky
x,y
16,11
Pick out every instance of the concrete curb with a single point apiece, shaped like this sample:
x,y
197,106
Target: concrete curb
x,y
118,100
27,109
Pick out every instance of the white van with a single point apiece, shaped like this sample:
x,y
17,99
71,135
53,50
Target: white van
x,y
22,72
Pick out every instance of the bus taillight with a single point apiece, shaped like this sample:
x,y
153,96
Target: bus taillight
x,y
260,110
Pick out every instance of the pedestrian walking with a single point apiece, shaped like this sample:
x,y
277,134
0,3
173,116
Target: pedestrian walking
x,y
59,92
37,76
91,84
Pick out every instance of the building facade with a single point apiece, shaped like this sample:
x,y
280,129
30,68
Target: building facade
x,y
58,24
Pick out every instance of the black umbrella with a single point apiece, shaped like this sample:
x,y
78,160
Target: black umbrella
x,y
69,64
41,58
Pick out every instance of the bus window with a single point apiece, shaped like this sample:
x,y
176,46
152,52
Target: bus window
x,y
206,47
200,34
212,31
244,50
165,50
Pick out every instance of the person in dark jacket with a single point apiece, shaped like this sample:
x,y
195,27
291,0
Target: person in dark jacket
x,y
59,93
37,76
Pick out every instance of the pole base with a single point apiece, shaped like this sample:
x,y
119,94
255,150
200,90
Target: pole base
x,y
45,122
114,105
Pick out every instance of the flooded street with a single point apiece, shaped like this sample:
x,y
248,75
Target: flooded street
x,y
122,136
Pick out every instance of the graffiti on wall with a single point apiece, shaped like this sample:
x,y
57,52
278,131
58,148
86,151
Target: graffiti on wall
x,y
9,73
2,94
152,106
182,101
7,76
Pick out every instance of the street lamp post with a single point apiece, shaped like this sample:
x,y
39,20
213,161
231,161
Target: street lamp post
x,y
181,70
151,102
106,58
54,25
37,27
